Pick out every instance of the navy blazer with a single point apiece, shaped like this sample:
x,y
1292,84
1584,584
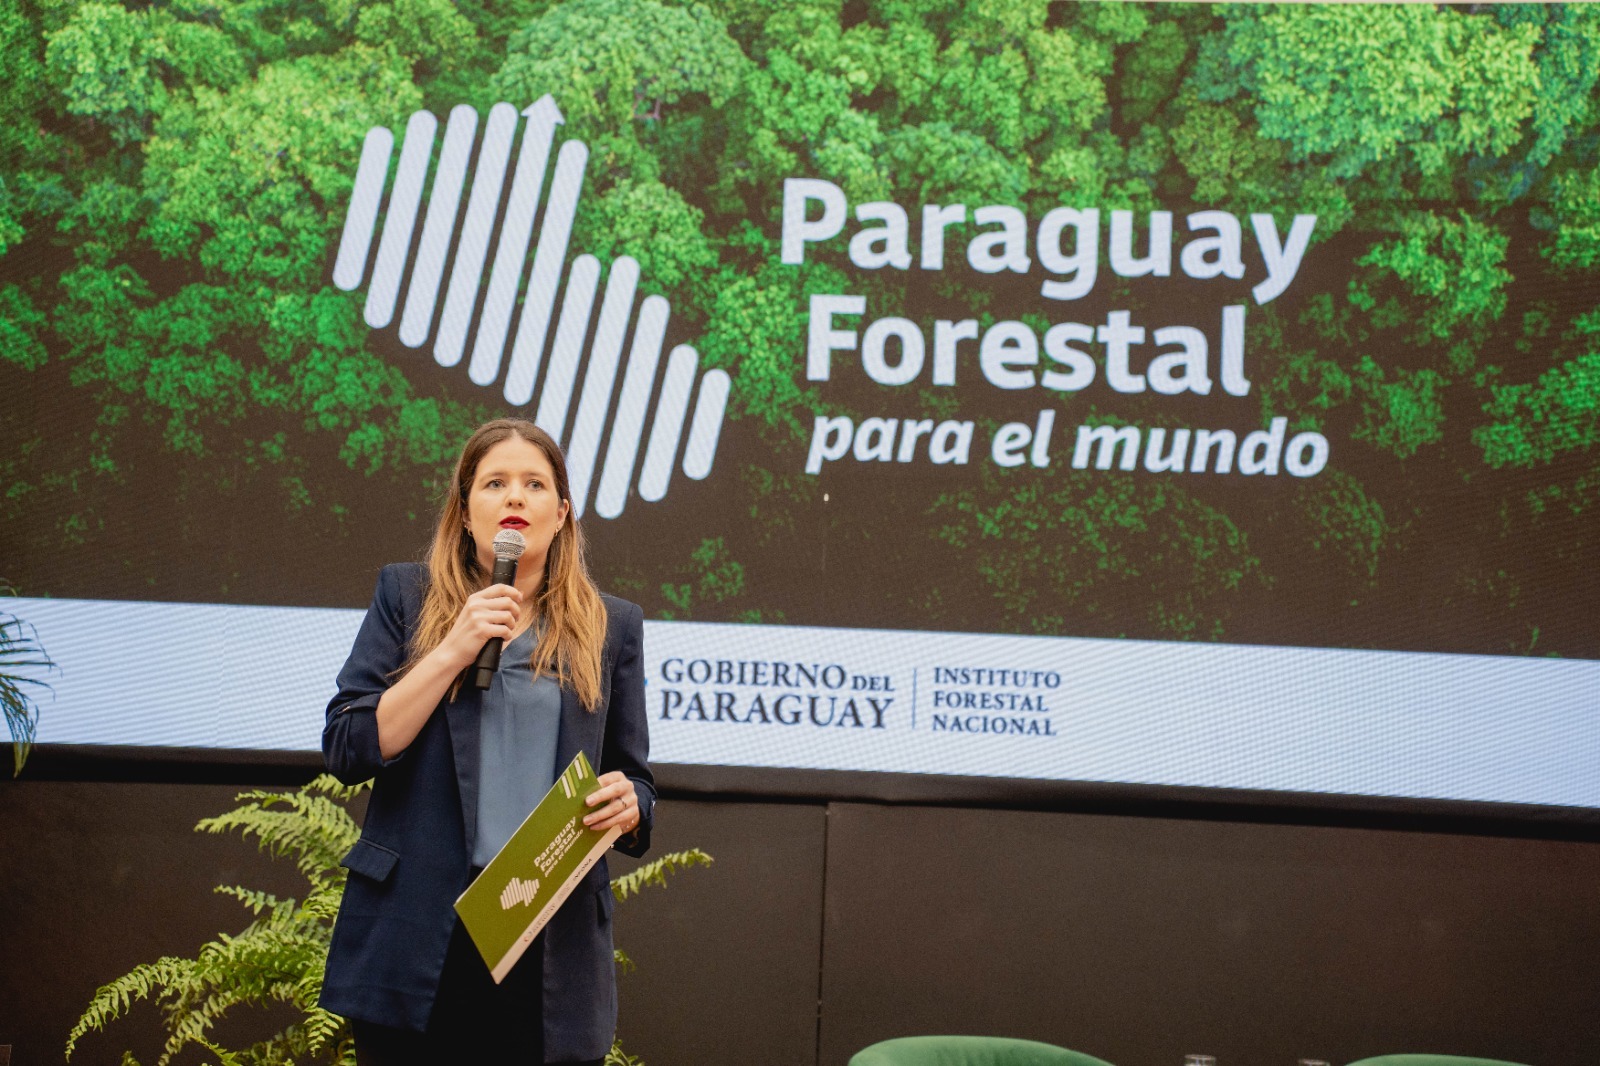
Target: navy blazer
x,y
414,855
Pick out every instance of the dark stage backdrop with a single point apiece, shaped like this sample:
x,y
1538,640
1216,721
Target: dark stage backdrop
x,y
1175,395
824,927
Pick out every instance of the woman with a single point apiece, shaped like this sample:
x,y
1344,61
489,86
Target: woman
x,y
457,770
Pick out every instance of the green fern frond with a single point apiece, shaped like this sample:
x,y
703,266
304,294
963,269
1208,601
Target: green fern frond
x,y
113,1000
332,787
224,1056
261,965
285,1047
188,1023
314,830
655,873
257,901
321,1028
624,963
322,904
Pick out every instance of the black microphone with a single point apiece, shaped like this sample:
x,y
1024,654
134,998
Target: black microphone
x,y
508,548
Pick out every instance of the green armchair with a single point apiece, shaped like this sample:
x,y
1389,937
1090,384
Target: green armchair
x,y
969,1051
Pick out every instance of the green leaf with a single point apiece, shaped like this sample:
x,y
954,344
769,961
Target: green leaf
x,y
657,871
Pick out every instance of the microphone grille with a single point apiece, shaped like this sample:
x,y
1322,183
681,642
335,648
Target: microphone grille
x,y
509,544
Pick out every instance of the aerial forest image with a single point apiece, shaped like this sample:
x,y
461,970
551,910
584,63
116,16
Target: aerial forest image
x,y
1207,322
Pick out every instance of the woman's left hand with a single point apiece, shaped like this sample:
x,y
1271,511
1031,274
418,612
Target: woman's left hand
x,y
615,804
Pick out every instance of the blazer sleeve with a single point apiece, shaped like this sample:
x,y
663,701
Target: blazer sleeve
x,y
627,738
350,731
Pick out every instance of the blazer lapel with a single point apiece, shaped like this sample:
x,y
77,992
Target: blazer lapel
x,y
462,716
579,732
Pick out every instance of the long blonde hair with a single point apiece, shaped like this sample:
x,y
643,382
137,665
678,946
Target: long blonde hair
x,y
573,632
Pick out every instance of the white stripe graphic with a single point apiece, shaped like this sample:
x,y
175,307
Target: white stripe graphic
x,y
443,203
467,273
510,256
585,445
401,219
707,427
628,424
518,892
351,264
554,234
556,394
667,430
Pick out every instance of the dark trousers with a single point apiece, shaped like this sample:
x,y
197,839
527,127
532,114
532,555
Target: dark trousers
x,y
475,1022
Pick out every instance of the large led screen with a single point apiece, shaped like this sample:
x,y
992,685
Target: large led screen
x,y
1191,394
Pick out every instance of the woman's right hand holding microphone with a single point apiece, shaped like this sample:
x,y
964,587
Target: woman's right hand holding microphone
x,y
403,710
488,613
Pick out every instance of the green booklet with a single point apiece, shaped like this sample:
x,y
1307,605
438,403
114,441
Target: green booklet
x,y
507,905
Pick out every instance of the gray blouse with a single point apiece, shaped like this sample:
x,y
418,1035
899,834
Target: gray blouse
x,y
518,727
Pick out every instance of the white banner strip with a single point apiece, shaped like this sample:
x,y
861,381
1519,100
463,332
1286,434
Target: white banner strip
x,y
1460,727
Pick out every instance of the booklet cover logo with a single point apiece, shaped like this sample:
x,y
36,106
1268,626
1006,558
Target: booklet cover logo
x,y
519,893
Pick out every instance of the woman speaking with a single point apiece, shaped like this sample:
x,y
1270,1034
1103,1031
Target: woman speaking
x,y
457,770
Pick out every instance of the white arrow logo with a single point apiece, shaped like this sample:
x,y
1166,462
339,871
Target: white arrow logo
x,y
583,439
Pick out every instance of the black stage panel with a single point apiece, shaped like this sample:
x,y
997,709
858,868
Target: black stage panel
x,y
727,955
1140,940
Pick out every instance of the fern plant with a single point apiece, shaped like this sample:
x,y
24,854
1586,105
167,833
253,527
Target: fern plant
x,y
20,651
279,956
